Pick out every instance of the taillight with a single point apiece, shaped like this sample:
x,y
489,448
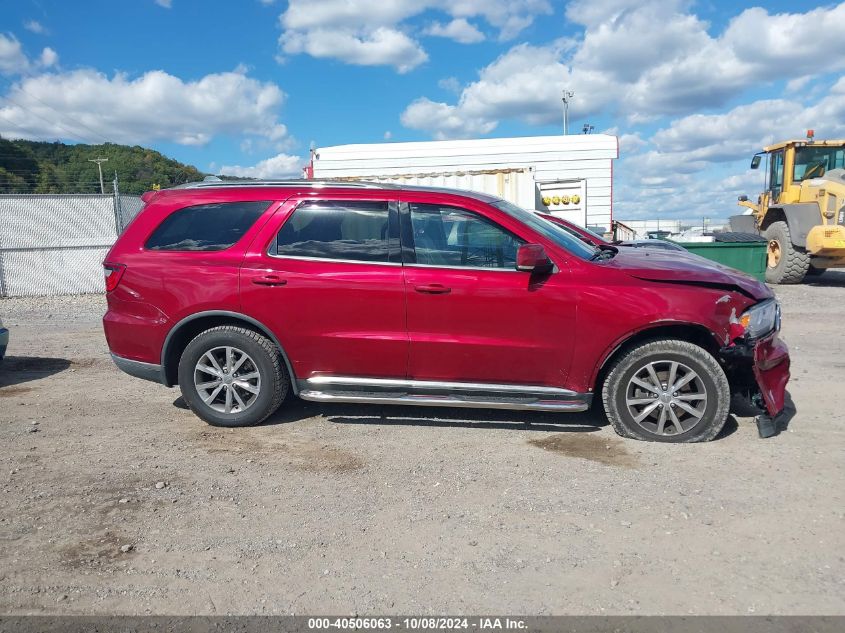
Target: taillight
x,y
113,273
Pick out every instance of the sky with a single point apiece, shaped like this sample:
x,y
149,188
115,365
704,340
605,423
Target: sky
x,y
692,89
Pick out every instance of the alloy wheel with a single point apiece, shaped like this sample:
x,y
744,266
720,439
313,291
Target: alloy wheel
x,y
666,397
227,379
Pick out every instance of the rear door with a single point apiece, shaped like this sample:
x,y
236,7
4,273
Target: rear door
x,y
472,317
326,277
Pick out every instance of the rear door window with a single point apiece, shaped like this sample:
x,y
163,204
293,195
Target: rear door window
x,y
351,230
206,227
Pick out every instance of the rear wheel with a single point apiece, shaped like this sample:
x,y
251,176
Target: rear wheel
x,y
232,376
667,391
787,264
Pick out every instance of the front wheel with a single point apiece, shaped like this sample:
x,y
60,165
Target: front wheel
x,y
232,376
786,263
667,391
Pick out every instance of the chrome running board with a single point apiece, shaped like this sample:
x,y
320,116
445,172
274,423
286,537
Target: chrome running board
x,y
442,394
433,385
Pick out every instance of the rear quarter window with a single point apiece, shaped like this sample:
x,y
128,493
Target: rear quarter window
x,y
206,227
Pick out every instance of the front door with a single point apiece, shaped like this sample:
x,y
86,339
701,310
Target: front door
x,y
472,317
326,277
775,176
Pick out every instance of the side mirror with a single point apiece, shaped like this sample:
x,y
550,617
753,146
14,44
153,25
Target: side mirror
x,y
743,198
532,258
755,162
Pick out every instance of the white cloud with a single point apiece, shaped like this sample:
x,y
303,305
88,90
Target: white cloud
x,y
49,57
523,83
451,84
279,166
511,17
745,129
167,4
13,61
380,47
89,106
458,29
375,32
698,164
446,120
629,143
34,26
623,66
797,84
388,135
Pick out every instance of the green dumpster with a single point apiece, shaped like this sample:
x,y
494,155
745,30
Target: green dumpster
x,y
749,257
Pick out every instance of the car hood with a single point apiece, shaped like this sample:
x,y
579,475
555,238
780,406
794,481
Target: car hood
x,y
686,268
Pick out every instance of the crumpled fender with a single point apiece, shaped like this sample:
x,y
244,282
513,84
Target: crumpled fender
x,y
771,370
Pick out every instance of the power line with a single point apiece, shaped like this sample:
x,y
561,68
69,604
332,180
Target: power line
x,y
73,134
64,114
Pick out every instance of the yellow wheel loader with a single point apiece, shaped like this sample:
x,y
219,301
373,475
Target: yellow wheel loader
x,y
802,211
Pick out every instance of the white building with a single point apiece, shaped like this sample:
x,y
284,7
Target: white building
x,y
569,176
642,227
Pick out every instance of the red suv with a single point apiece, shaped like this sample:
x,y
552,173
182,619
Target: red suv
x,y
339,292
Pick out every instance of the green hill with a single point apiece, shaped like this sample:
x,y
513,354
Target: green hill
x,y
35,167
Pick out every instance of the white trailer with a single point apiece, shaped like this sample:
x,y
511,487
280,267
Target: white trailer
x,y
568,176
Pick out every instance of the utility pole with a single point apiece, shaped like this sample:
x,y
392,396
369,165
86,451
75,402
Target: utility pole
x,y
100,162
567,95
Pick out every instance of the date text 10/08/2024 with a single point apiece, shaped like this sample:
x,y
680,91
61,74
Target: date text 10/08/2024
x,y
422,623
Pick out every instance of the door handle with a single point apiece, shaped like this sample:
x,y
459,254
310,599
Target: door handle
x,y
269,280
433,289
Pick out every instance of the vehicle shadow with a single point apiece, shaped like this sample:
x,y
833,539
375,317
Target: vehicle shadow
x,y
831,279
744,409
731,427
295,410
15,370
786,416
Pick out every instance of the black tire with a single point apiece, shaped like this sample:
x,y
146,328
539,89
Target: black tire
x,y
794,262
710,377
263,354
812,271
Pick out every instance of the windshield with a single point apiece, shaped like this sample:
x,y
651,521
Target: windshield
x,y
813,161
547,229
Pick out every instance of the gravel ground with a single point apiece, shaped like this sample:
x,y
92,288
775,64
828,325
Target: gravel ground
x,y
117,500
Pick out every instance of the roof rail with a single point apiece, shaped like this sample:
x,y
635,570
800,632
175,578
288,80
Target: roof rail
x,y
300,182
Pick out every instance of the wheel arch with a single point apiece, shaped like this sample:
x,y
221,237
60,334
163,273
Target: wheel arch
x,y
690,332
185,330
799,217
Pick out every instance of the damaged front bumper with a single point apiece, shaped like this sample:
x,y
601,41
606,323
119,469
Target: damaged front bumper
x,y
759,369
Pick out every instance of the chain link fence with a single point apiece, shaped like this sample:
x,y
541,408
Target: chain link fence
x,y
126,207
55,244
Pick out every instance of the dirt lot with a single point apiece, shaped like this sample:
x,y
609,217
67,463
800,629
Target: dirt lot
x,y
362,509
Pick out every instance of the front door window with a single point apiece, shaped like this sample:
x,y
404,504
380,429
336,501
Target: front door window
x,y
448,236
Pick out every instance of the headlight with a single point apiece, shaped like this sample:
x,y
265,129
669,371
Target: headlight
x,y
757,321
